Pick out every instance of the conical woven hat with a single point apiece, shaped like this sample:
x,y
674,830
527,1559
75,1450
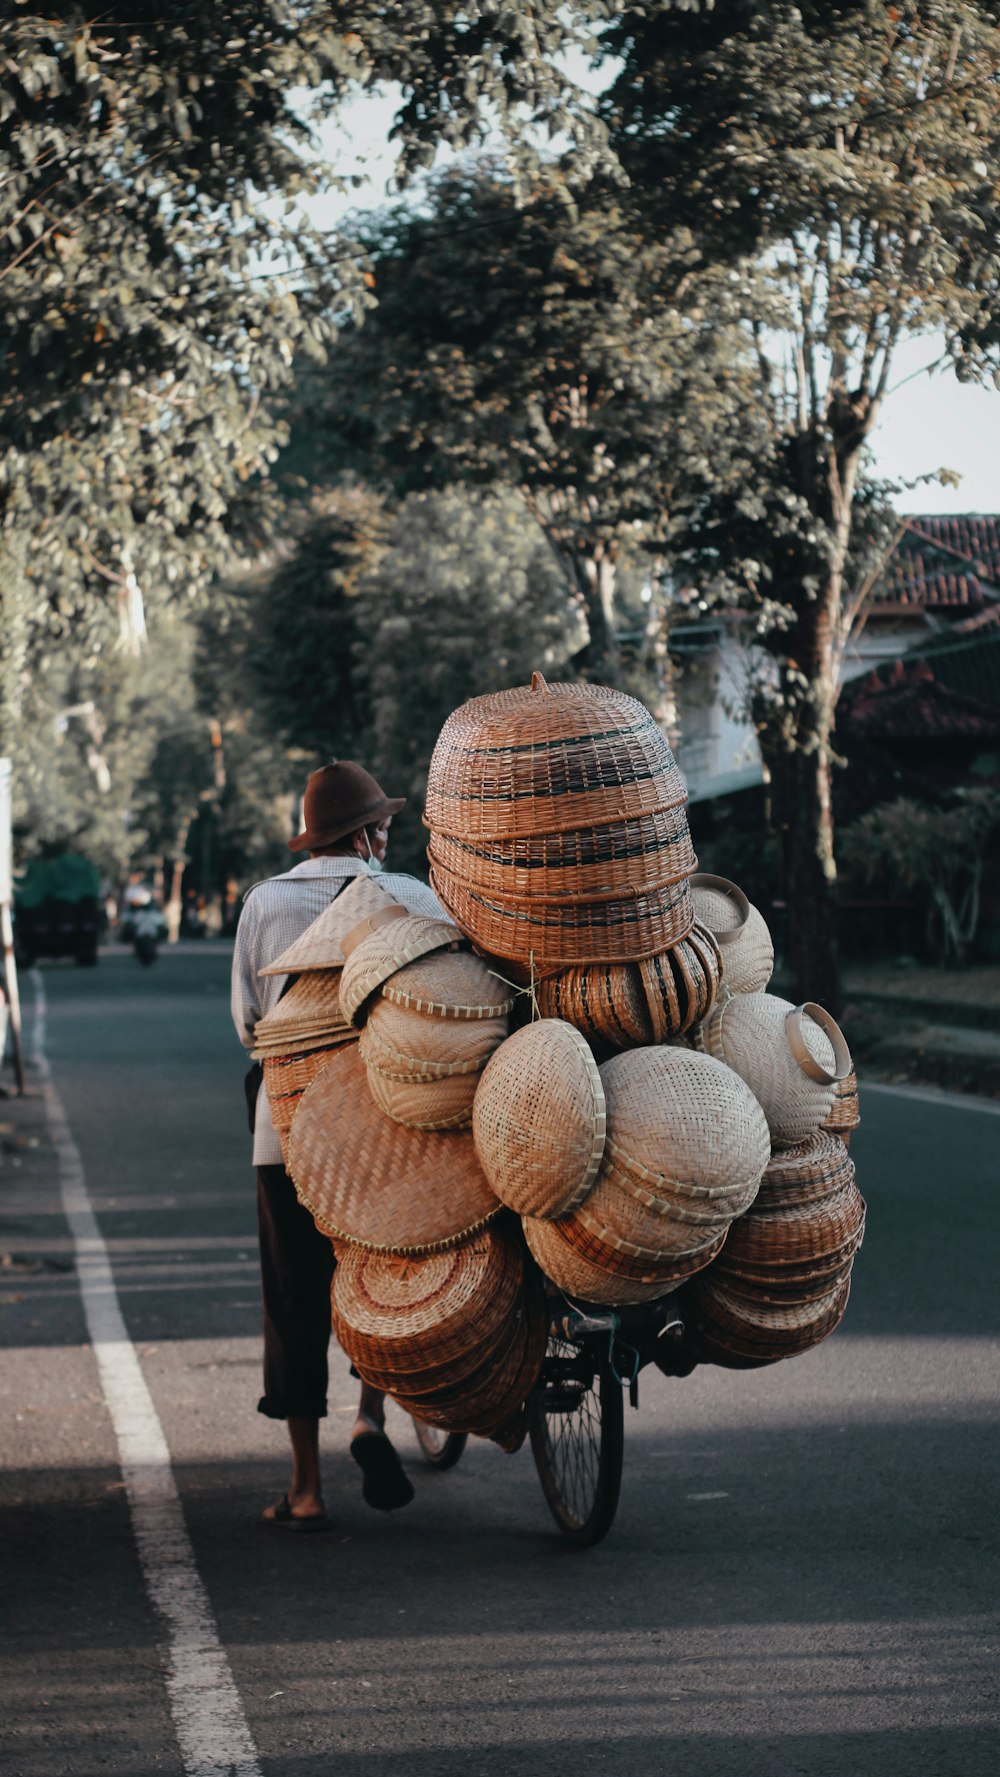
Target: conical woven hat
x,y
319,946
310,1009
539,1119
367,1179
675,1118
741,932
451,984
387,950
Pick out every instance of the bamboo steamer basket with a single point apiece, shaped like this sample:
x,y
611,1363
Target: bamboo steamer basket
x,y
731,1330
383,952
424,1104
683,1127
791,1057
578,1276
440,1044
367,1179
586,861
845,1111
544,759
558,933
738,928
538,1119
681,984
451,984
806,1224
606,1001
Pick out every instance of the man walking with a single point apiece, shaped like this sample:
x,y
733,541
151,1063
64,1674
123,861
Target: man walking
x,y
346,830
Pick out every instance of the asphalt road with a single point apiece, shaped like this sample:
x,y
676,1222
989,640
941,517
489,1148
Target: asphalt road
x,y
802,1577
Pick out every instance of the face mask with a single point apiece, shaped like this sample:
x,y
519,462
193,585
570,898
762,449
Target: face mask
x,y
374,867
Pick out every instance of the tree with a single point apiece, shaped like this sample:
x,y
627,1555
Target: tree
x,y
936,851
159,277
841,163
527,340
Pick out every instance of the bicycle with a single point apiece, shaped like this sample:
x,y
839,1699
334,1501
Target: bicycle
x,y
576,1420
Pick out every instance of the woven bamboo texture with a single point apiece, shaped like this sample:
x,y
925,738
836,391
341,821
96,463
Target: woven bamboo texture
x,y
383,953
804,1228
459,1043
753,1034
845,1112
649,1230
425,1104
451,984
304,1018
606,1001
697,1205
730,1330
368,1179
563,932
671,1269
490,1409
538,1119
406,1316
548,759
677,1118
293,1073
580,1278
588,861
319,946
741,931
681,984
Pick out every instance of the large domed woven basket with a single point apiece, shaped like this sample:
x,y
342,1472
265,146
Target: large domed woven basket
x,y
739,930
556,933
546,759
585,861
606,1001
367,1179
683,1126
790,1056
538,1119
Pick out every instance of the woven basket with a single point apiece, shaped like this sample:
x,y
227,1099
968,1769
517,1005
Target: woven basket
x,y
845,1111
368,1179
606,1001
451,984
790,1056
589,861
444,1043
425,1104
648,1227
284,1074
548,759
681,984
560,933
489,1409
320,945
682,1124
579,1277
740,931
405,1317
383,953
538,1119
308,1011
806,1223
734,1332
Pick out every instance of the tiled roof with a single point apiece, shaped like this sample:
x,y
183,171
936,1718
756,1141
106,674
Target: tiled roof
x,y
942,563
906,701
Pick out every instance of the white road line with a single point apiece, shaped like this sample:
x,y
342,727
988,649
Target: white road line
x,y
934,1095
211,1727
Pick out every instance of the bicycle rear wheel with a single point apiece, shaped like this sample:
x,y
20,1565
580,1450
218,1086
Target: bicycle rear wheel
x,y
441,1449
576,1426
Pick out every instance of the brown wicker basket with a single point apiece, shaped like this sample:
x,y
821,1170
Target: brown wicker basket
x,y
588,861
560,933
681,984
845,1111
424,1104
731,1330
548,759
579,1277
538,1120
807,1221
606,1001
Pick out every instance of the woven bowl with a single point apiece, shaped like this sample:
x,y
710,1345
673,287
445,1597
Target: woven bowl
x,y
734,1331
791,1057
588,861
402,1041
581,1278
320,946
451,984
383,953
538,1120
425,1104
739,930
681,984
370,1180
606,1001
683,1125
548,759
845,1111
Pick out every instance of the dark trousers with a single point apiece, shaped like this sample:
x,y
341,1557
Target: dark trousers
x,y
296,1271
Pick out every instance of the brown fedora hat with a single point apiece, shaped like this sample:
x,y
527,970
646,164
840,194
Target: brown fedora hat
x,y
340,798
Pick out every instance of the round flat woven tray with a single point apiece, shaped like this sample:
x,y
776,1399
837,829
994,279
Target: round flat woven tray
x,y
548,758
408,1315
384,952
451,984
320,946
559,934
677,1117
396,1066
451,1044
367,1179
606,1001
587,861
425,1104
579,1277
538,1119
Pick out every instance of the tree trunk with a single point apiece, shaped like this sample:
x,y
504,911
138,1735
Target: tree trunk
x,y
800,783
593,575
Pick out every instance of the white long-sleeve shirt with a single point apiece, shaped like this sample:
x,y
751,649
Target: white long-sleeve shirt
x,y
275,913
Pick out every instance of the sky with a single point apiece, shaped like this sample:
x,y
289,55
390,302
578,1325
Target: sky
x,y
929,421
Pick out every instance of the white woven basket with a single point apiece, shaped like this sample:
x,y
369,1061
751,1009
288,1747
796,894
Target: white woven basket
x,y
791,1057
739,930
